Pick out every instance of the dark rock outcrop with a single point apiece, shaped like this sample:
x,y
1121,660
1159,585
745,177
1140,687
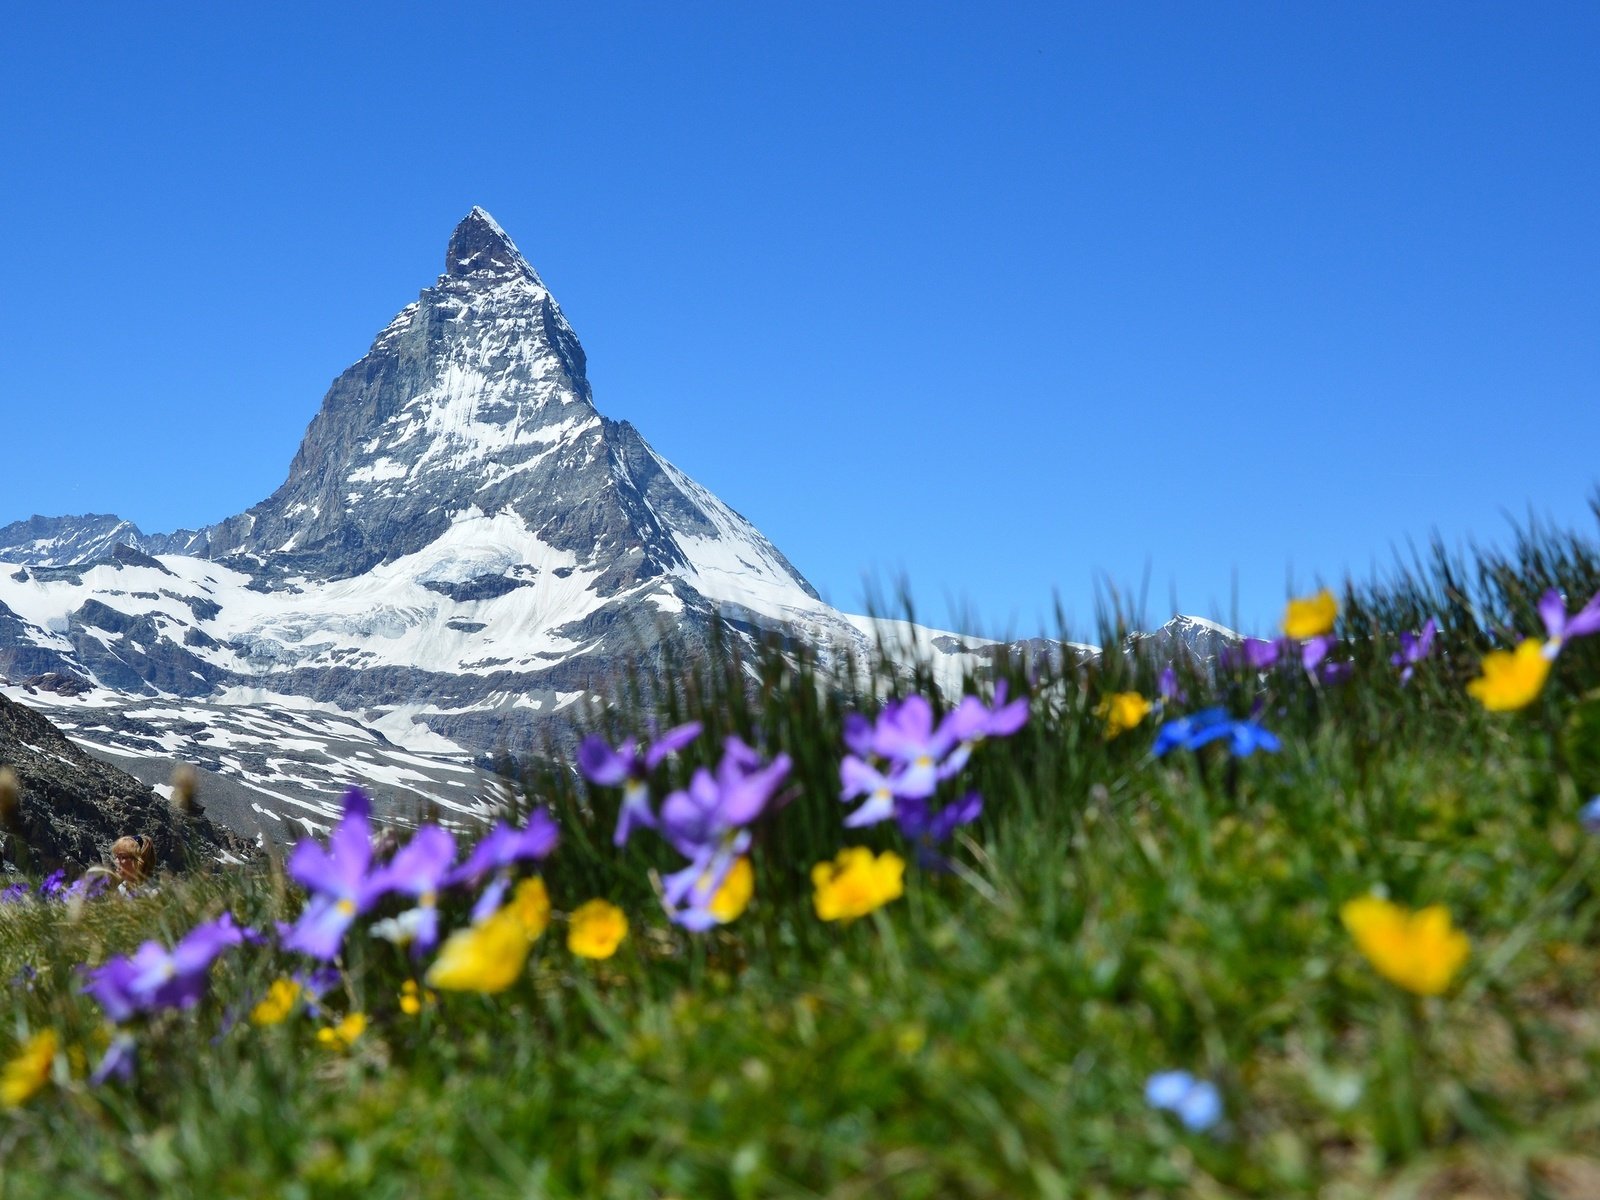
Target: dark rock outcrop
x,y
72,807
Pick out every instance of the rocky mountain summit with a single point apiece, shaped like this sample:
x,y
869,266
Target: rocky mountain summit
x,y
1200,639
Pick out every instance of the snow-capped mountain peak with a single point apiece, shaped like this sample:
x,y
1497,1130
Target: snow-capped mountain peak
x,y
473,397
480,246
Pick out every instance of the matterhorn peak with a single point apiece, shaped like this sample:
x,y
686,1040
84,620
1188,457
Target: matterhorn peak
x,y
480,246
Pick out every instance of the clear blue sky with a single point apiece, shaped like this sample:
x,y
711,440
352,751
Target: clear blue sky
x,y
1013,304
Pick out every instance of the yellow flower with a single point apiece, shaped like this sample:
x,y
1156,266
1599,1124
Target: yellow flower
x,y
486,957
1310,616
530,905
733,897
855,883
596,929
278,1004
29,1070
343,1035
1511,679
414,999
1122,711
1420,951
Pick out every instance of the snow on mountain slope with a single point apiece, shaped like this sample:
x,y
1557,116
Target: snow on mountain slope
x,y
272,767
732,563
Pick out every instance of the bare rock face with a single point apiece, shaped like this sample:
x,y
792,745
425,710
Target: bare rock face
x,y
72,807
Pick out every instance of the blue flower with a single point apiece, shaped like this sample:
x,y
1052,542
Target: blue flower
x,y
1195,1102
1589,814
1210,725
1246,737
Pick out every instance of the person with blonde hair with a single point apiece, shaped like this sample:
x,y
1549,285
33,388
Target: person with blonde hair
x,y
134,857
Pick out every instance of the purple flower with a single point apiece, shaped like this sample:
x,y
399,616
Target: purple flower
x,y
1196,1102
498,851
1167,686
340,879
419,868
971,722
921,754
1413,649
117,1062
1313,651
711,808
1255,654
688,893
86,888
14,893
314,985
154,977
858,735
488,901
861,778
54,884
916,756
707,823
1314,658
176,978
630,769
1210,725
928,829
1559,626
503,845
1332,673
111,985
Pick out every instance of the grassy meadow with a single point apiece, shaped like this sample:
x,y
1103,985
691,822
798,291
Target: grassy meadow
x,y
991,1032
